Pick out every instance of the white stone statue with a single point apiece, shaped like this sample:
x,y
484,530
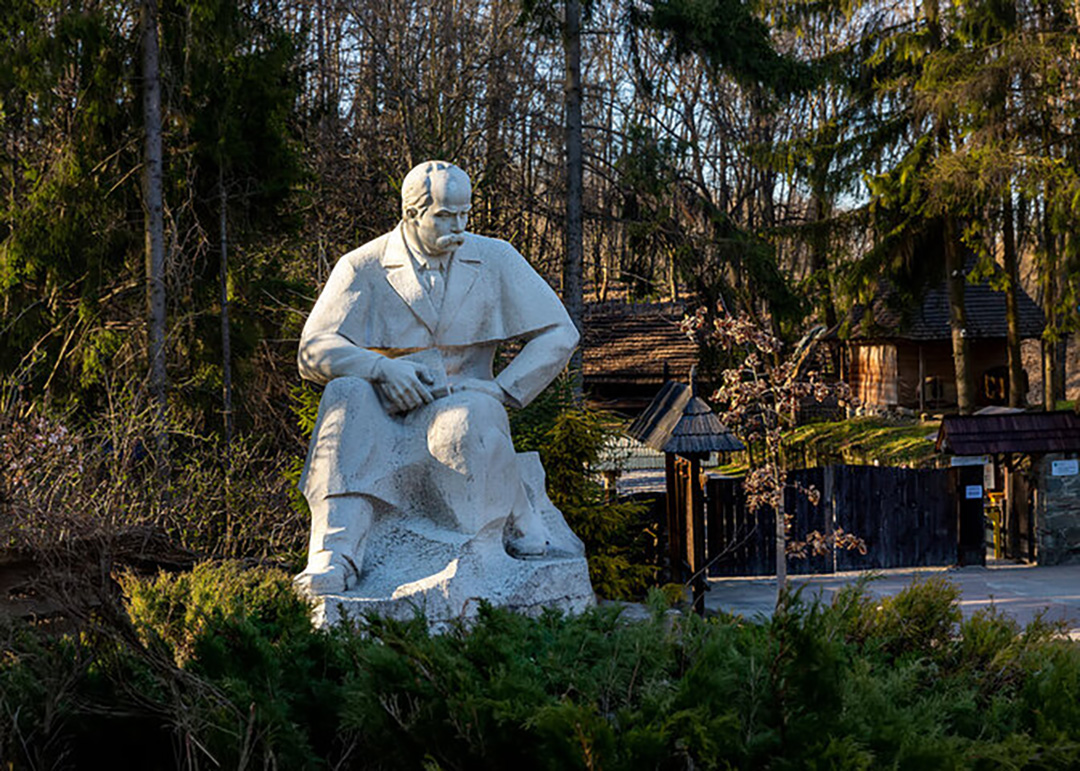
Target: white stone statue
x,y
417,496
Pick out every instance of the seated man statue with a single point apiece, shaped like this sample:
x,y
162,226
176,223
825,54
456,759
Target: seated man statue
x,y
412,422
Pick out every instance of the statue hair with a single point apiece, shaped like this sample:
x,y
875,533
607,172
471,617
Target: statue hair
x,y
416,187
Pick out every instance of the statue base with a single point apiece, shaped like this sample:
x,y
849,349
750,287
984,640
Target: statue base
x,y
415,566
445,575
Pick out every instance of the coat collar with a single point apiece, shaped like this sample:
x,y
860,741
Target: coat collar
x,y
401,275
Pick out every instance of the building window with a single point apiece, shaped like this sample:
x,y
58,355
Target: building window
x,y
995,385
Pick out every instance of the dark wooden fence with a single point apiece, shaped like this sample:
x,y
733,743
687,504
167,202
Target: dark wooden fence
x,y
906,517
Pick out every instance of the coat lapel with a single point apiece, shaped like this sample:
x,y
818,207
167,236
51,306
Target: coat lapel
x,y
464,271
401,275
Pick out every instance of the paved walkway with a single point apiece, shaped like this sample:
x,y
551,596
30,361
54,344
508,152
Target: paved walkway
x,y
1021,591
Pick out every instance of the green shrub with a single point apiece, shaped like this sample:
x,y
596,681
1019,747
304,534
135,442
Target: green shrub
x,y
178,609
856,684
27,672
616,533
76,699
985,638
919,620
246,632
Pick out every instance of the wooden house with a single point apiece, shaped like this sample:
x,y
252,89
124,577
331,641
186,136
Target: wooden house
x,y
631,350
895,360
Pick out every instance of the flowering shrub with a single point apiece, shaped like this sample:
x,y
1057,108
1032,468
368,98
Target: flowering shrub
x,y
41,467
37,441
759,399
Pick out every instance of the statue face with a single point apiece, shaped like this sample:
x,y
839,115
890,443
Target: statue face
x,y
440,228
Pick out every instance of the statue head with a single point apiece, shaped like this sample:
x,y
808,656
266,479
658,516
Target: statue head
x,y
435,200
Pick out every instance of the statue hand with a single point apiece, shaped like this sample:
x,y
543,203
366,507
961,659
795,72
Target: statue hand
x,y
489,387
403,383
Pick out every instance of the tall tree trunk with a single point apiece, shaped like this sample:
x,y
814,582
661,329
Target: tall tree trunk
x,y
820,210
819,259
1012,315
954,270
781,546
495,107
226,334
154,225
573,290
1050,291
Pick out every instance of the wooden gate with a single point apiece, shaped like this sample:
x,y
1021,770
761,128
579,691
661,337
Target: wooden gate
x,y
906,517
968,482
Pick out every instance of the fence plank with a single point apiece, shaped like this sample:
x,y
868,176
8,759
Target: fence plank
x,y
808,518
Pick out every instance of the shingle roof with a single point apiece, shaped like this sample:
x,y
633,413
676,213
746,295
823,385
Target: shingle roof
x,y
628,342
653,427
677,421
1023,432
699,430
984,307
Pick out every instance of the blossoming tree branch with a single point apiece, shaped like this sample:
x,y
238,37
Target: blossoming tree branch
x,y
759,398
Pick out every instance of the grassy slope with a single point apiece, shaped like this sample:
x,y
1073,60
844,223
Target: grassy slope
x,y
861,441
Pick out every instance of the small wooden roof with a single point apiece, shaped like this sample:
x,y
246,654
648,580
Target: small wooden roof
x,y
679,422
1023,432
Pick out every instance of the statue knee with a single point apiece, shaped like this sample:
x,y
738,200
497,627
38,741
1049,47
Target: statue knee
x,y
471,431
486,440
349,389
485,411
348,517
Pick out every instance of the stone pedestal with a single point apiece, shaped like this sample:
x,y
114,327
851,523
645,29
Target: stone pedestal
x,y
413,565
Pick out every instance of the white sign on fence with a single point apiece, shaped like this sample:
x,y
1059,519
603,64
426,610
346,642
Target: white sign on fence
x,y
969,460
1064,468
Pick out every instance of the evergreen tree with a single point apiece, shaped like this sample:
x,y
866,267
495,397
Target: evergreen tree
x,y
984,121
70,229
236,167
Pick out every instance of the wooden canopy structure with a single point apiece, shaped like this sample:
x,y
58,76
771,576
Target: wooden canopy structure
x,y
1022,432
681,425
680,422
1020,448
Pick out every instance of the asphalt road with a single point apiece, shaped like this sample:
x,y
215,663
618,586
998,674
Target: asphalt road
x,y
1021,591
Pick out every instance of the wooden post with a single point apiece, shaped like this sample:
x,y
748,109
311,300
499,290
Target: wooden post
x,y
1011,509
673,524
922,382
971,527
688,469
696,538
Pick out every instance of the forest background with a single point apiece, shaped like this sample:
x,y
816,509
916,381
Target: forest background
x,y
775,159
177,178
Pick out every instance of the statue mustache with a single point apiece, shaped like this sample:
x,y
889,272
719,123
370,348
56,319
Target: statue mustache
x,y
445,242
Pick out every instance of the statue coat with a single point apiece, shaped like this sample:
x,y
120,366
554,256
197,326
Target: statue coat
x,y
446,456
